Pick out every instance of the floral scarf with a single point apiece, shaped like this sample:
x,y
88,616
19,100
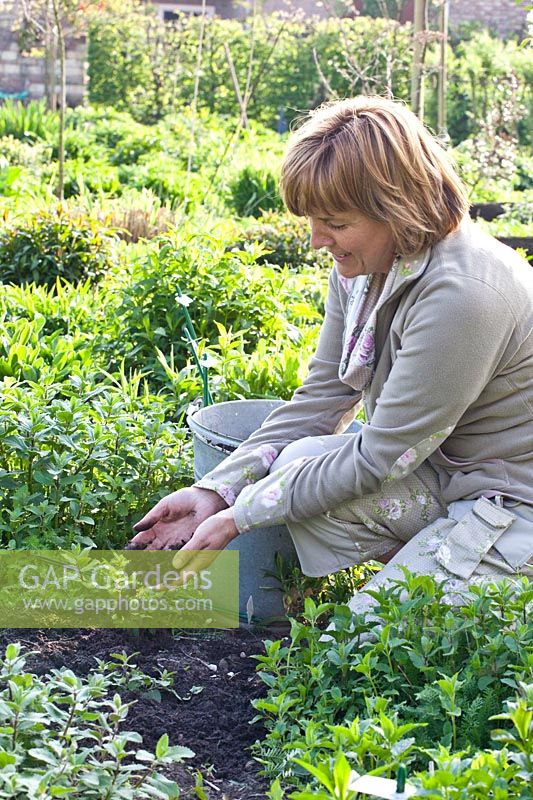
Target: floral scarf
x,y
359,348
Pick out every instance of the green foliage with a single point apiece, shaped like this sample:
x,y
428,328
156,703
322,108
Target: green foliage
x,y
516,221
479,68
170,184
22,166
27,121
286,240
81,460
381,8
136,62
235,304
21,153
147,61
64,735
489,160
419,681
254,191
184,162
52,245
93,177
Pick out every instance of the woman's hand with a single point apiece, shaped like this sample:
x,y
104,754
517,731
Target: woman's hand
x,y
215,533
172,522
211,536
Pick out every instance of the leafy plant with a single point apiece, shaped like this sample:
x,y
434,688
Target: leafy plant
x,y
236,306
64,735
80,461
154,64
27,121
516,221
416,662
17,152
286,240
254,191
53,245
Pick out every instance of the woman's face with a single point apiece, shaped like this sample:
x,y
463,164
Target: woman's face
x,y
358,244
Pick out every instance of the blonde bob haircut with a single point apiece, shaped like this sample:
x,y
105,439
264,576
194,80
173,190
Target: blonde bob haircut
x,y
373,155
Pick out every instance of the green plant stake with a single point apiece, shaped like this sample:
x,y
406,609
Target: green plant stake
x,y
400,779
192,338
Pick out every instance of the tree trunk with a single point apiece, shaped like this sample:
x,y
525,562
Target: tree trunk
x,y
443,72
62,98
50,59
419,49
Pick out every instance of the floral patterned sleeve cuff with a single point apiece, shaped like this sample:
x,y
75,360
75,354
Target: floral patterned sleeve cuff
x,y
222,489
263,504
238,471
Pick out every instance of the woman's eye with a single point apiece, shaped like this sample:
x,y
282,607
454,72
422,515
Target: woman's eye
x,y
337,227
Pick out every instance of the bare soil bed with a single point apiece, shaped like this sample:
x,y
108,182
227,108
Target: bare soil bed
x,y
213,722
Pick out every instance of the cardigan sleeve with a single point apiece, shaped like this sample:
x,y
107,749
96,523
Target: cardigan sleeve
x,y
315,409
455,336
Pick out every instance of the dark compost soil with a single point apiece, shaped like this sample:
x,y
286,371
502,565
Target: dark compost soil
x,y
214,723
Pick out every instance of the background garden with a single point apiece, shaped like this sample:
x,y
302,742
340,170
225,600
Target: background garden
x,y
170,255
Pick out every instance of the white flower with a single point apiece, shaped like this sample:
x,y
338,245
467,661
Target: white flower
x,y
272,496
421,500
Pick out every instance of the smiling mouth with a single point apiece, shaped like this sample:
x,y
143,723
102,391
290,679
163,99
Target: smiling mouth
x,y
340,256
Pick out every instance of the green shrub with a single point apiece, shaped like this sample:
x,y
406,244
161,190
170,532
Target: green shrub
x,y
132,147
22,167
379,736
118,55
220,287
75,310
170,184
417,679
516,222
64,735
53,245
80,458
254,191
479,67
17,152
94,177
28,353
288,239
27,122
139,63
103,125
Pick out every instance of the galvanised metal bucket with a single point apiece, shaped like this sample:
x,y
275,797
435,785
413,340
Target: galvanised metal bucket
x,y
217,431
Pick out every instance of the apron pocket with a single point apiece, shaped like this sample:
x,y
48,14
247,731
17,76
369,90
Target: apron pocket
x,y
516,544
473,536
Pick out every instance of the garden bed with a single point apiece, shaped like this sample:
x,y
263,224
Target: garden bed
x,y
214,675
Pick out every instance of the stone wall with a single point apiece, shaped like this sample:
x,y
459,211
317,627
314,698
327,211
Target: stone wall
x,y
21,73
222,8
503,17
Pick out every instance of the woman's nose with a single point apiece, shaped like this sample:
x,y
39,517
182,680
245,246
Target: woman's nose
x,y
320,237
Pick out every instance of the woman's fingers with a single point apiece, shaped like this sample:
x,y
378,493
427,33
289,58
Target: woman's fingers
x,y
156,514
163,535
140,541
156,544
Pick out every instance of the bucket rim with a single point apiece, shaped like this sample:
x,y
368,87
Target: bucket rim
x,y
206,434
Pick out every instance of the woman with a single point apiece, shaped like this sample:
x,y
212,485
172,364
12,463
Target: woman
x,y
429,323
